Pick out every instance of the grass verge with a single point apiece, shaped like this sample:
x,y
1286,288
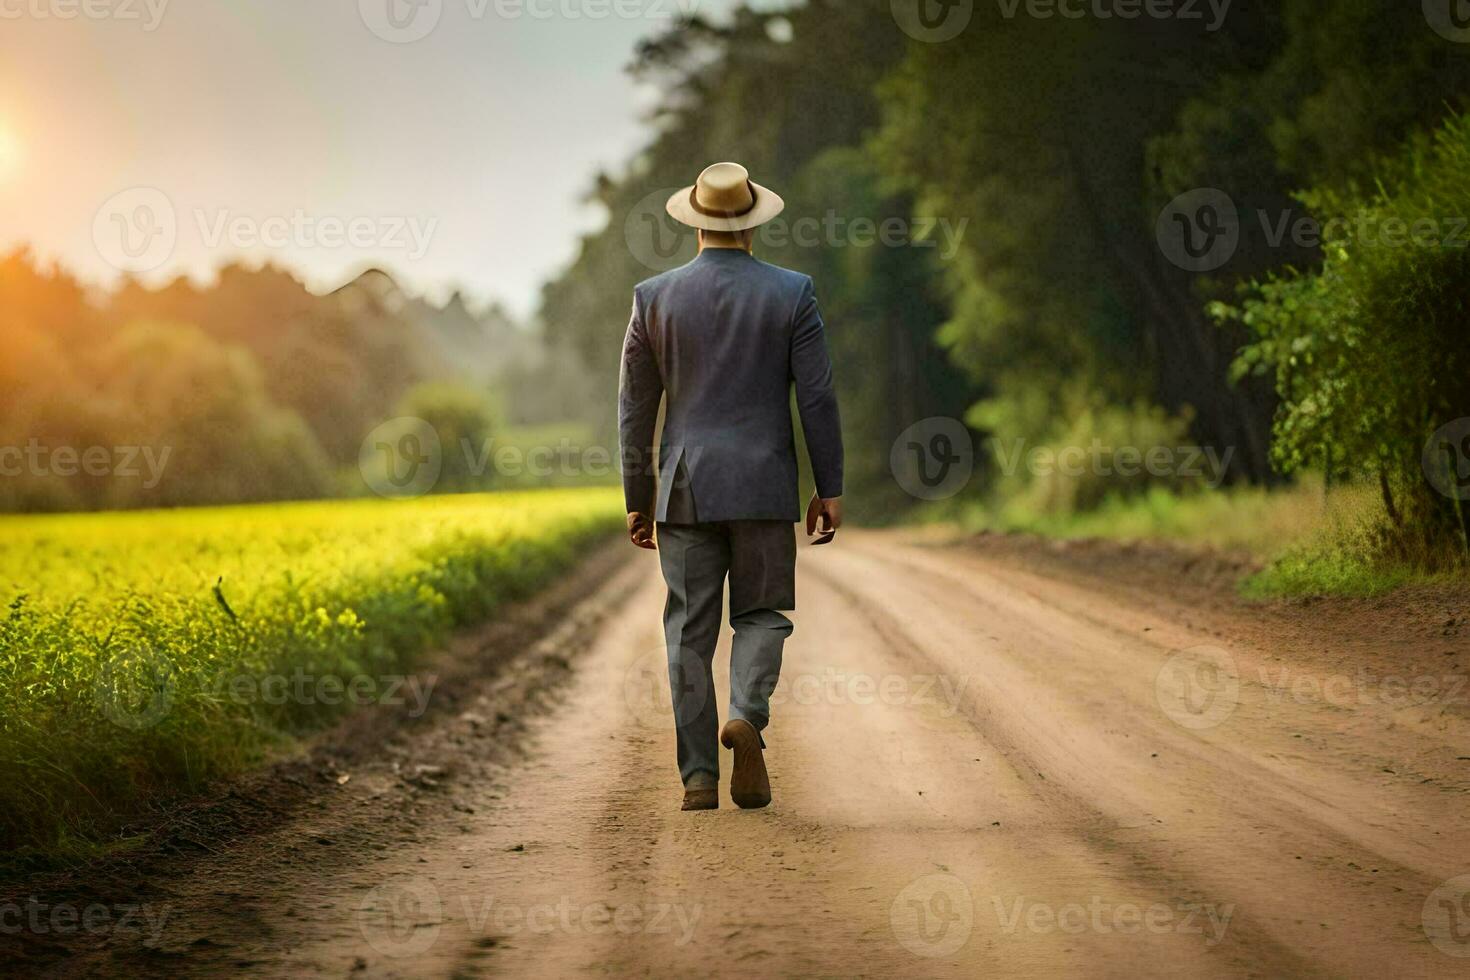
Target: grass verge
x,y
1309,542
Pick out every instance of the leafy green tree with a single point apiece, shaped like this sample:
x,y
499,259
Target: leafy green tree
x,y
171,388
1036,129
1368,353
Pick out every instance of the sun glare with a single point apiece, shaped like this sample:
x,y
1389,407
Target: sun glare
x,y
9,150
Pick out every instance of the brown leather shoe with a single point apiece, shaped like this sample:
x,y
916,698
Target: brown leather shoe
x,y
702,792
750,787
700,798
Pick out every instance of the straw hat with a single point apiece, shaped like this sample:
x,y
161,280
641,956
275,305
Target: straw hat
x,y
724,198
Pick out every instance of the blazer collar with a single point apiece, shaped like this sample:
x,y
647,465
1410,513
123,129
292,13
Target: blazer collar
x,y
724,254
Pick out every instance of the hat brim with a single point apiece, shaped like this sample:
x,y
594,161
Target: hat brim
x,y
767,205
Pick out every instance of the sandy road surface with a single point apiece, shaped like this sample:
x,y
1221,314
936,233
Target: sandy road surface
x,y
978,771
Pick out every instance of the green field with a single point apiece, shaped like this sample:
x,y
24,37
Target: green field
x,y
144,654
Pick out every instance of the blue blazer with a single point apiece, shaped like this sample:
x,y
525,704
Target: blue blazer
x,y
726,337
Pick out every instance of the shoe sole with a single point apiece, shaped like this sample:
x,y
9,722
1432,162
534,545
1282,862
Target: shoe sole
x,y
750,785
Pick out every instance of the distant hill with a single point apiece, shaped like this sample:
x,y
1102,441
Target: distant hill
x,y
451,340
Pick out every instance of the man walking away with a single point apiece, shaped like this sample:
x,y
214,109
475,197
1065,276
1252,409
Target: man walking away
x,y
724,339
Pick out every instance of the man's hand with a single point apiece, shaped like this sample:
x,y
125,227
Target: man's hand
x,y
640,530
826,509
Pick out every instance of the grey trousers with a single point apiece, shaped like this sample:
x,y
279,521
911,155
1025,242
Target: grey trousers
x,y
759,559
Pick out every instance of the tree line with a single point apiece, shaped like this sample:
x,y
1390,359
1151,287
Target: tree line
x,y
248,388
1236,233
1071,309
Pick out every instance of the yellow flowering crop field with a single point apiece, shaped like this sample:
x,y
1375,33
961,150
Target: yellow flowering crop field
x,y
145,654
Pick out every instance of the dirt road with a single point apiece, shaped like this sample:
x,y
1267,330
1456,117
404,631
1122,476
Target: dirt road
x,y
980,769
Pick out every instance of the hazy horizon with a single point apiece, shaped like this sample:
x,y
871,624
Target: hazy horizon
x,y
307,136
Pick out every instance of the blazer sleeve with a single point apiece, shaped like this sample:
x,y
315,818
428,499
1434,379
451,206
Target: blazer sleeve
x,y
816,399
640,387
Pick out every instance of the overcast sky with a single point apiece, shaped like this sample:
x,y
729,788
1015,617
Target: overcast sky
x,y
292,129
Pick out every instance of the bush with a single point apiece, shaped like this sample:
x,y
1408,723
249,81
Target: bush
x,y
460,416
1369,352
1100,453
